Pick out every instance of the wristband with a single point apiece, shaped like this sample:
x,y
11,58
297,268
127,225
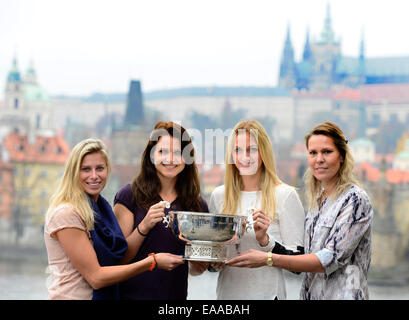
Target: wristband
x,y
270,261
154,263
139,231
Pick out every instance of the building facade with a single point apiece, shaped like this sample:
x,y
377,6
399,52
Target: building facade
x,y
37,165
323,65
27,106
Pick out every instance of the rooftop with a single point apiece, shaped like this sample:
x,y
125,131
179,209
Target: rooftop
x,y
53,150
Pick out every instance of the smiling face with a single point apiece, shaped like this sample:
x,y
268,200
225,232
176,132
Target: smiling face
x,y
93,174
246,156
167,157
324,159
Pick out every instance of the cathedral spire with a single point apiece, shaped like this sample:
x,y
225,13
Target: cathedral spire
x,y
362,46
307,54
327,35
287,65
14,74
31,76
361,60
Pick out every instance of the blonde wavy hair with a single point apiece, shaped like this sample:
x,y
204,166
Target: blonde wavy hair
x,y
269,179
69,190
346,175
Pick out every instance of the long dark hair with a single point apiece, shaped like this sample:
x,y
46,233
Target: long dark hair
x,y
146,185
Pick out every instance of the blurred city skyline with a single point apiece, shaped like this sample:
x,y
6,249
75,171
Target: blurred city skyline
x,y
79,48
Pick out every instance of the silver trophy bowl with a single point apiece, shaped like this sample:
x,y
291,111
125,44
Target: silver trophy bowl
x,y
207,235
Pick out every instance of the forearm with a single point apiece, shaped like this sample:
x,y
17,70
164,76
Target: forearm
x,y
106,276
134,241
298,263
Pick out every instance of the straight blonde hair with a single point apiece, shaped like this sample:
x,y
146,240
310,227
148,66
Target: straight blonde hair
x,y
269,179
69,190
345,174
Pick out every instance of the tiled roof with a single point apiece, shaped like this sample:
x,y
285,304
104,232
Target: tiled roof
x,y
389,93
365,169
373,174
371,93
347,94
44,149
397,176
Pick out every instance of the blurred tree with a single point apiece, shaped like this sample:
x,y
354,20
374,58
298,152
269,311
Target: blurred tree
x,y
388,135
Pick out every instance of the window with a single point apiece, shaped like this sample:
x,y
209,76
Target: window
x,y
43,194
16,103
44,173
38,121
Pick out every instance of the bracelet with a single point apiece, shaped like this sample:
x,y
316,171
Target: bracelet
x,y
139,231
270,261
154,263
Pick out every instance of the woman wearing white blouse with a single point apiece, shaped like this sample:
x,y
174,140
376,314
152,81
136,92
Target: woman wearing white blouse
x,y
253,187
337,227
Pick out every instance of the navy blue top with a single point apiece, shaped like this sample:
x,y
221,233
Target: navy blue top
x,y
157,284
109,243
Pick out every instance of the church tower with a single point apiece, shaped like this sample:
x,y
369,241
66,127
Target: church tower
x,y
31,76
14,96
134,109
327,52
28,108
287,78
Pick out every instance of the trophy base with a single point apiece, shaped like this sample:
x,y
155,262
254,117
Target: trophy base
x,y
205,251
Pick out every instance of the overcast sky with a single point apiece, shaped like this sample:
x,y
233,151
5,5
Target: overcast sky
x,y
83,46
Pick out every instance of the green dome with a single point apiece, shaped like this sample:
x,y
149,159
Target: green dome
x,y
33,92
362,142
404,155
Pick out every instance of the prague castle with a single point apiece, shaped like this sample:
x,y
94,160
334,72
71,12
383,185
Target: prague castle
x,y
323,65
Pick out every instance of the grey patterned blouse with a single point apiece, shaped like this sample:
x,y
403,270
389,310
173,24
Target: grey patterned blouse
x,y
339,233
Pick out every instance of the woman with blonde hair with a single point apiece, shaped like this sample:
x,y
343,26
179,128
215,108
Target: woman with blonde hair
x,y
252,187
81,232
337,227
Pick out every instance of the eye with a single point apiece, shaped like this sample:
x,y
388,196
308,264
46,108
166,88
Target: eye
x,y
177,153
253,149
327,151
85,169
236,149
100,168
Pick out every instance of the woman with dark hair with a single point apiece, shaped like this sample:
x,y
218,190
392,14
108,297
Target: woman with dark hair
x,y
337,227
168,180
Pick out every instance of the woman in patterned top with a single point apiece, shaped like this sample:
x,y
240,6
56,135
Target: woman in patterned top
x,y
337,228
